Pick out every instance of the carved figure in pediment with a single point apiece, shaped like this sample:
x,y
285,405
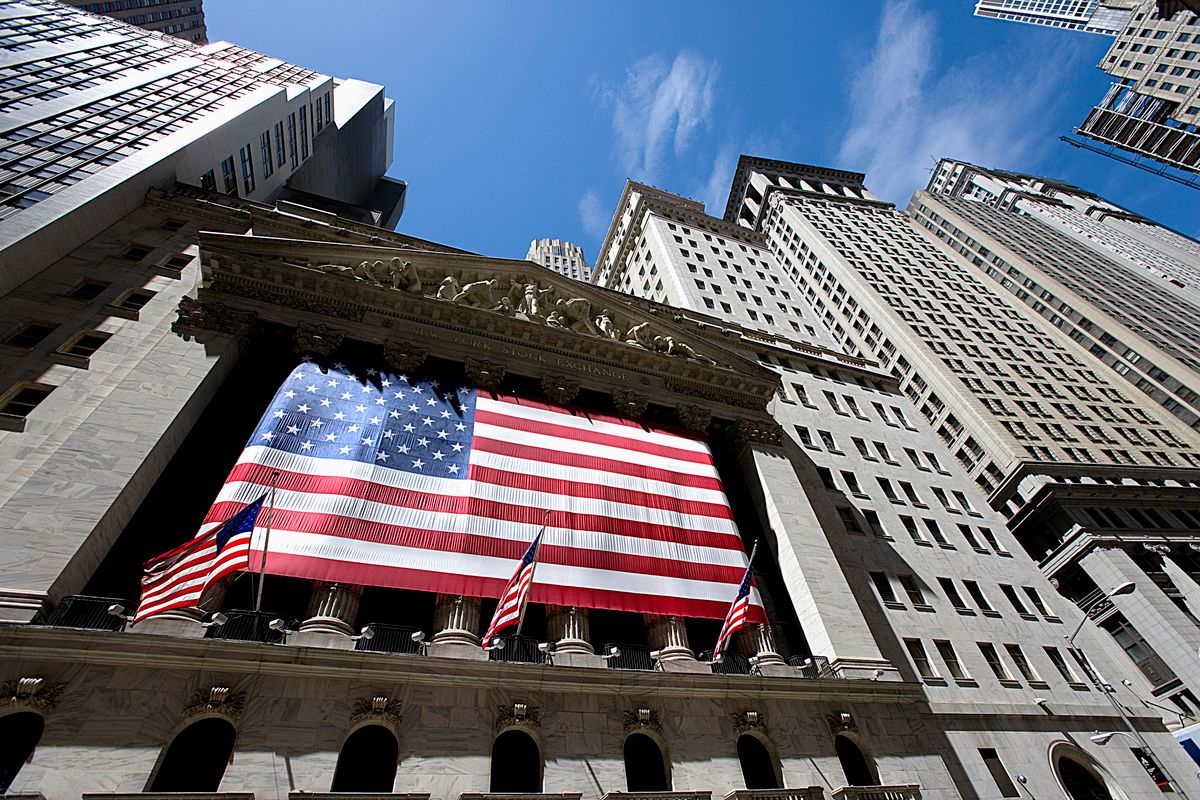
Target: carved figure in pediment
x,y
504,307
641,335
477,294
404,276
555,320
448,288
606,326
668,345
366,271
531,299
576,312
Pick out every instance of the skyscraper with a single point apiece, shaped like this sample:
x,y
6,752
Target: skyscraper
x,y
1105,17
562,257
181,18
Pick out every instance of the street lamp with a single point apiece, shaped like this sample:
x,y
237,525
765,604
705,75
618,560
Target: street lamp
x,y
1128,587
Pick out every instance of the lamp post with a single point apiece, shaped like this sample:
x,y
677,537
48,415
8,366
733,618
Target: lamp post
x,y
1128,587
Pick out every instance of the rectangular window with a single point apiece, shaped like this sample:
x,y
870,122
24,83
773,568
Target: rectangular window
x,y
951,592
303,132
134,299
209,181
87,290
969,535
999,774
1023,666
1014,600
1036,600
264,145
228,175
84,344
884,587
913,589
292,149
950,658
979,598
19,402
247,157
280,158
993,661
1061,665
30,334
916,651
328,110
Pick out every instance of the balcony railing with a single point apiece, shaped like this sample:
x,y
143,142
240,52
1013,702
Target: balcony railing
x,y
80,611
517,650
390,639
633,656
907,791
167,796
513,796
296,795
730,664
248,626
804,793
813,667
657,796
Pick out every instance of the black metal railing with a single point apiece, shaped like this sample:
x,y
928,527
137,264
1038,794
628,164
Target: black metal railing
x,y
249,626
632,656
392,639
517,650
730,664
813,666
81,611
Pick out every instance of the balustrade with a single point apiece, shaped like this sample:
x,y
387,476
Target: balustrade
x,y
803,793
92,613
908,791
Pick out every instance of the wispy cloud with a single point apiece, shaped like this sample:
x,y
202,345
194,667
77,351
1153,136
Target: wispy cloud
x,y
906,114
592,214
716,189
660,106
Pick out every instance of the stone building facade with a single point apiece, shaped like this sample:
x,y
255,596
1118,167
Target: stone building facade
x,y
181,18
562,257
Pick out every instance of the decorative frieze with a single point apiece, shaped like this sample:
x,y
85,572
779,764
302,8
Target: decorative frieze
x,y
317,338
216,699
34,693
404,356
214,317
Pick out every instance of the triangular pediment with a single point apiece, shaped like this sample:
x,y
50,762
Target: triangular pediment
x,y
495,299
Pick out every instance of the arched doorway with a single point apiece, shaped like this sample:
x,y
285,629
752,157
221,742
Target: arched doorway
x,y
645,766
367,762
516,764
20,733
759,769
859,771
1080,782
196,759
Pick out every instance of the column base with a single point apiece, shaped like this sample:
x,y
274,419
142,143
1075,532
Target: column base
x,y
457,649
574,647
182,623
333,640
685,665
571,659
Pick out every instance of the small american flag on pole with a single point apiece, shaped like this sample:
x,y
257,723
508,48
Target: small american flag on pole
x,y
516,593
739,610
180,577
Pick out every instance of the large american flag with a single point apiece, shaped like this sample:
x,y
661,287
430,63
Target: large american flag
x,y
399,481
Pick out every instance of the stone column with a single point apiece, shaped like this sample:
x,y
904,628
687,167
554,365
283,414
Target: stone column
x,y
794,505
332,610
1164,626
455,622
758,642
1184,583
668,635
567,626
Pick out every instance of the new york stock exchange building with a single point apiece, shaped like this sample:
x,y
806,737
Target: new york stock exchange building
x,y
327,449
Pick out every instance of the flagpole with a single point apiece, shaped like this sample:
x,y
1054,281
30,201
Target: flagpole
x,y
521,613
262,566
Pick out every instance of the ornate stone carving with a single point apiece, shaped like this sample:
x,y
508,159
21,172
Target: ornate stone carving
x,y
576,314
518,714
218,699
216,317
282,298
693,417
668,345
484,374
643,719
629,403
317,338
641,335
33,693
605,325
744,431
448,289
528,298
560,389
404,356
379,707
745,721
1158,549
477,294
841,722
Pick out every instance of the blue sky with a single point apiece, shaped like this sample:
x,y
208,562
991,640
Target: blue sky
x,y
517,121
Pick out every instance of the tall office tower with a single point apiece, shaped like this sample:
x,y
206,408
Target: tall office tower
x,y
1105,17
1071,451
95,113
562,257
181,18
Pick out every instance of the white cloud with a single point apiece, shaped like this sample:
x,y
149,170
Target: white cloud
x,y
592,214
715,191
983,110
660,106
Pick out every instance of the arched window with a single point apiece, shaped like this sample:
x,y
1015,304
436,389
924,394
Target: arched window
x,y
759,769
516,764
1079,781
195,760
859,771
645,766
20,733
367,762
